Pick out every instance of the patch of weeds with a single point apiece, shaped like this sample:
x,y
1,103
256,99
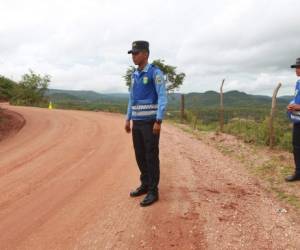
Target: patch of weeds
x,y
225,150
286,170
265,169
289,198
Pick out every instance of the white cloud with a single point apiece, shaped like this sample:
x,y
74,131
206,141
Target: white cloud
x,y
83,44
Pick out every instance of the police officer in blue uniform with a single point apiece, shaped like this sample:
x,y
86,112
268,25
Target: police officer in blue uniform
x,y
294,114
146,108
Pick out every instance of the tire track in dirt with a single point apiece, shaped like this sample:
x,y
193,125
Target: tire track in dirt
x,y
41,174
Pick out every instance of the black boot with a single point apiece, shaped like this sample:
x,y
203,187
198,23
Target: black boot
x,y
294,177
139,191
150,198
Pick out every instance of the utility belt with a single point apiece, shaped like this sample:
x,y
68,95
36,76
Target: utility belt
x,y
143,122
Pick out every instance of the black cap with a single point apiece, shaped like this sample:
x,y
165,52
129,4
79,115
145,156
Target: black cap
x,y
297,65
138,46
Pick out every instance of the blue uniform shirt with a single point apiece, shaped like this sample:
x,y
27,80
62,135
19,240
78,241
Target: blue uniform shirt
x,y
148,95
295,115
297,92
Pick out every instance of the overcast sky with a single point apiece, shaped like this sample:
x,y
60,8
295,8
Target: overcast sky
x,y
83,44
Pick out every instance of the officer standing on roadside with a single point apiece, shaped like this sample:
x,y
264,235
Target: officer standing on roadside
x,y
294,114
146,108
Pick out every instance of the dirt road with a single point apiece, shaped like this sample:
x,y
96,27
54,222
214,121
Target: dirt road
x,y
65,179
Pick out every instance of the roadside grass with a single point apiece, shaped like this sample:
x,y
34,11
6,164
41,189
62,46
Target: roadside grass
x,y
269,167
291,199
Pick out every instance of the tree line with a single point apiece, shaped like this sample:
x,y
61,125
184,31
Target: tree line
x,y
30,90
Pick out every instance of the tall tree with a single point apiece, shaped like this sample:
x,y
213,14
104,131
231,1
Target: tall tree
x,y
31,88
173,80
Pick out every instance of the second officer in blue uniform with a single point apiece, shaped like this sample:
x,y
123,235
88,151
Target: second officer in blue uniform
x,y
294,115
146,108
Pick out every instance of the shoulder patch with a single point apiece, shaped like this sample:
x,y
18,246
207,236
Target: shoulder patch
x,y
158,79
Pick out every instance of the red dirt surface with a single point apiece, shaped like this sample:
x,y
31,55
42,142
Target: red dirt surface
x,y
65,179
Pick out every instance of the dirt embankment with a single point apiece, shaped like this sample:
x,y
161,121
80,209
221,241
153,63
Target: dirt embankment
x,y
10,123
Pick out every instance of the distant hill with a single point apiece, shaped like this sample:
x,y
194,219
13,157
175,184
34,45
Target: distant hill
x,y
232,99
64,97
85,96
287,98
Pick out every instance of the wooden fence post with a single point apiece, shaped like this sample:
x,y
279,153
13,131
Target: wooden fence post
x,y
195,122
271,128
221,107
182,108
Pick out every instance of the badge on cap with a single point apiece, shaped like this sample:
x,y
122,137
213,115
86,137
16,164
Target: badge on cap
x,y
145,79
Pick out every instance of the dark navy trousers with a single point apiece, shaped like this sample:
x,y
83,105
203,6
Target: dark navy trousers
x,y
296,147
146,147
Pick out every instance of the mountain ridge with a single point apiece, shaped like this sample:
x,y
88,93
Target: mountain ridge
x,y
210,98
